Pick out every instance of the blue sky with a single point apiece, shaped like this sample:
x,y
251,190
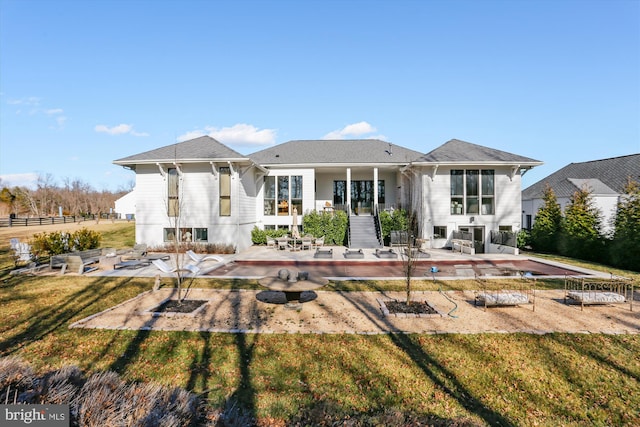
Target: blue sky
x,y
83,83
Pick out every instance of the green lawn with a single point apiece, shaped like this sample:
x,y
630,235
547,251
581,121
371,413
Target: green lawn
x,y
494,379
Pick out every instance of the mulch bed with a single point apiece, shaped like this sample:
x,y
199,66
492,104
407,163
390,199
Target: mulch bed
x,y
414,307
175,306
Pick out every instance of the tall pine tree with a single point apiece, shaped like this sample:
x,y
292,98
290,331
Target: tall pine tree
x,y
625,247
546,228
582,228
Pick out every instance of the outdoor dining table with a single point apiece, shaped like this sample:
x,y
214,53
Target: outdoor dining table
x,y
295,240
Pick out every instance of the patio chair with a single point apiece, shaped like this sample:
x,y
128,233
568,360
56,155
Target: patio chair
x,y
22,252
307,243
139,250
14,243
319,242
283,243
271,243
201,258
166,268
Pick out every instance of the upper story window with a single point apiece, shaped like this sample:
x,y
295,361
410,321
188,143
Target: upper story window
x,y
173,192
225,191
472,192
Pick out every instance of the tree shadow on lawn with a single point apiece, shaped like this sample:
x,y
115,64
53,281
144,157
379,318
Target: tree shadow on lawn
x,y
241,403
442,377
53,317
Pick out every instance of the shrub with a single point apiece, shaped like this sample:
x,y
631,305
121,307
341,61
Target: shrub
x,y
57,242
331,225
392,221
259,237
523,239
197,247
103,399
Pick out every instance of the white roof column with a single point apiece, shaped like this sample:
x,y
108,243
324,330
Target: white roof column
x,y
375,190
349,191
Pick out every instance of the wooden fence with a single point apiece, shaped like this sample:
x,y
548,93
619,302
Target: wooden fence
x,y
24,222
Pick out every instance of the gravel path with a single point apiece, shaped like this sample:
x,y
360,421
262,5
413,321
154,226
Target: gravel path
x,y
361,313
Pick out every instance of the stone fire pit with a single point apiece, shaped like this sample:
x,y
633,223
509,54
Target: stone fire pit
x,y
293,284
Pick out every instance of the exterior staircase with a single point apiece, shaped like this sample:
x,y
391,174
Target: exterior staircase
x,y
363,233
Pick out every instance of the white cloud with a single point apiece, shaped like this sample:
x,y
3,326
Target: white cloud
x,y
54,111
239,134
30,101
120,129
360,129
19,180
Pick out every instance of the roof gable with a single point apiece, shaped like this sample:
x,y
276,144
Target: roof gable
x,y
198,149
592,185
338,151
456,151
612,173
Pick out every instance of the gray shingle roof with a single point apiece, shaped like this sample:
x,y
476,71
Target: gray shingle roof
x,y
612,173
198,149
340,151
465,152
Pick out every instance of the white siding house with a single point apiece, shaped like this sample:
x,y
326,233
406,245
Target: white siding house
x,y
219,195
605,180
125,206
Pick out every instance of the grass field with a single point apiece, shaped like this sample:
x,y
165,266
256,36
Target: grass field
x,y
487,379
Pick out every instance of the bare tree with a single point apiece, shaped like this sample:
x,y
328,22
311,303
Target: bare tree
x,y
410,251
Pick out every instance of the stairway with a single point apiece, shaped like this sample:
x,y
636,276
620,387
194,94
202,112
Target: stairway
x,y
362,232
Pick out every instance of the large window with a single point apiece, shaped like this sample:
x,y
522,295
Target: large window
x,y
269,195
488,190
225,191
457,192
361,194
282,194
173,190
472,192
296,193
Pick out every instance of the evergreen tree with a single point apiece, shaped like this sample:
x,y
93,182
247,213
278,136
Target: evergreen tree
x,y
546,228
582,228
625,246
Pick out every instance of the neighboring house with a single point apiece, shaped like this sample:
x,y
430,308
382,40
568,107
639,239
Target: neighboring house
x,y
605,179
220,195
126,206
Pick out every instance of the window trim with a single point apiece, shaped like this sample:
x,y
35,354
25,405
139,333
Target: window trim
x,y
467,195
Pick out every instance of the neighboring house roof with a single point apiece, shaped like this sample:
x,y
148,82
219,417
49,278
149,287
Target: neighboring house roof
x,y
606,176
456,151
594,185
334,152
199,149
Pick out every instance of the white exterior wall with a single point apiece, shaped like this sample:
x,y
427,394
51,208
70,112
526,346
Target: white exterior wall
x,y
308,197
436,201
606,204
126,205
199,205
